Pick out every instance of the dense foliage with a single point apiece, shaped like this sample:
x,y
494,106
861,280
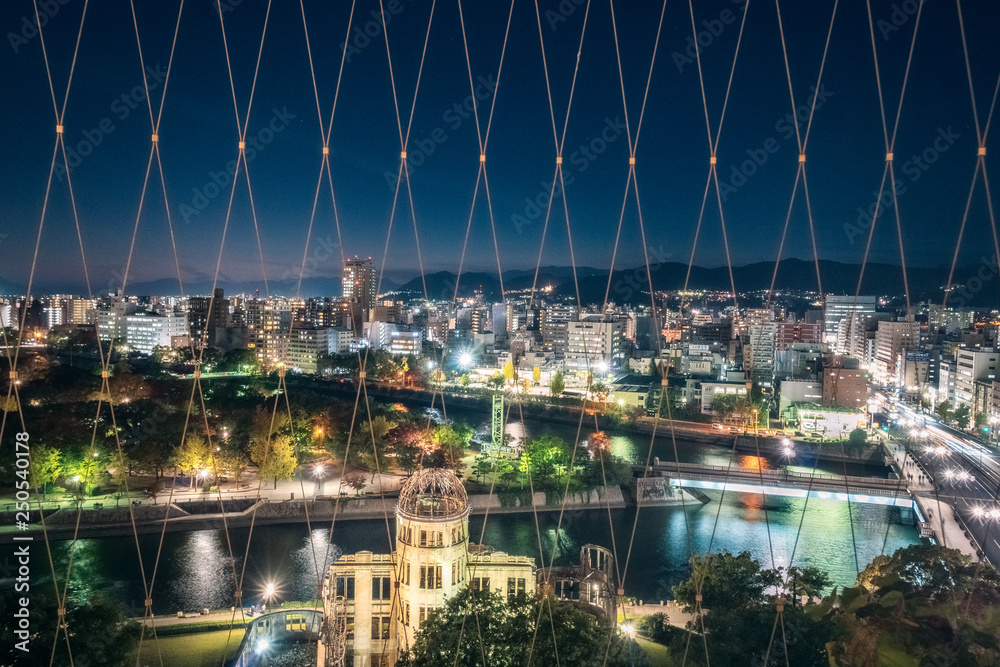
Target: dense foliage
x,y
476,629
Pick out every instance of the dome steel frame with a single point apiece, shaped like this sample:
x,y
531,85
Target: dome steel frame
x,y
433,494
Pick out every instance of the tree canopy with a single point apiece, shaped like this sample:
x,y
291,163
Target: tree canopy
x,y
476,629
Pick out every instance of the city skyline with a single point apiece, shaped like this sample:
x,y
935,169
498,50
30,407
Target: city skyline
x,y
106,109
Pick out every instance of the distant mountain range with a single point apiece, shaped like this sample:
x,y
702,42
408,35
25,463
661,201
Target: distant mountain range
x,y
631,285
626,285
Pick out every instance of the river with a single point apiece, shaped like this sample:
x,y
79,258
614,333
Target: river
x,y
195,570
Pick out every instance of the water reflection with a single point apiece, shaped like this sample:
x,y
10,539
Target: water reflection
x,y
195,570
207,578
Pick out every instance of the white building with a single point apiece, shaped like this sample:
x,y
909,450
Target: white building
x,y
892,340
800,391
405,342
146,331
710,390
972,365
760,354
111,321
378,334
593,341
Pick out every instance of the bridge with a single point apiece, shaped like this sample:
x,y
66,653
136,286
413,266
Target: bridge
x,y
875,490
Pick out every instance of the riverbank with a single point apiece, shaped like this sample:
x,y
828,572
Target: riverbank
x,y
535,410
196,515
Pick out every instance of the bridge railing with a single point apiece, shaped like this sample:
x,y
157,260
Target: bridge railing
x,y
766,472
854,490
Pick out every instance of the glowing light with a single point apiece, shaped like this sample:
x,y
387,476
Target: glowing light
x,y
627,628
262,646
465,359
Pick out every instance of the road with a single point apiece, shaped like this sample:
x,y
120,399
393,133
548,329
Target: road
x,y
966,474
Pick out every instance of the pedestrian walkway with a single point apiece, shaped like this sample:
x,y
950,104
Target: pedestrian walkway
x,y
940,515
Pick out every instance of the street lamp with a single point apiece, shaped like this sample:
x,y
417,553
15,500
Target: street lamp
x,y
269,593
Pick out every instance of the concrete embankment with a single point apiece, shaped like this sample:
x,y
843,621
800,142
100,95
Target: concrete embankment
x,y
63,523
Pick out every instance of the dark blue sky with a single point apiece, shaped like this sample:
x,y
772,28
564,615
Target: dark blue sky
x,y
199,134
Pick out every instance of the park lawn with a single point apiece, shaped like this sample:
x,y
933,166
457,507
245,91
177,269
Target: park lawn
x,y
200,649
656,652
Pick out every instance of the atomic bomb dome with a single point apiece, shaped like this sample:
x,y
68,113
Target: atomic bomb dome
x,y
434,494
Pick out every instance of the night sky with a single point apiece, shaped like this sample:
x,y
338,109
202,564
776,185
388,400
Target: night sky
x,y
198,134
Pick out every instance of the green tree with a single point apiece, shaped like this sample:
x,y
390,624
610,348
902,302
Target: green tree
x,y
192,455
496,382
476,626
483,466
738,613
943,410
981,419
653,369
600,390
656,627
858,438
45,466
274,458
961,416
465,381
724,405
924,605
104,634
558,384
235,463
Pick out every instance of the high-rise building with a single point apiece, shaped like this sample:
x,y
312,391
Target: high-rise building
x,y
265,321
593,341
207,315
360,284
892,340
759,355
554,321
789,333
844,307
972,365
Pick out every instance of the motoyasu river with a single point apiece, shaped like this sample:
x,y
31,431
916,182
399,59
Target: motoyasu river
x,y
197,569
